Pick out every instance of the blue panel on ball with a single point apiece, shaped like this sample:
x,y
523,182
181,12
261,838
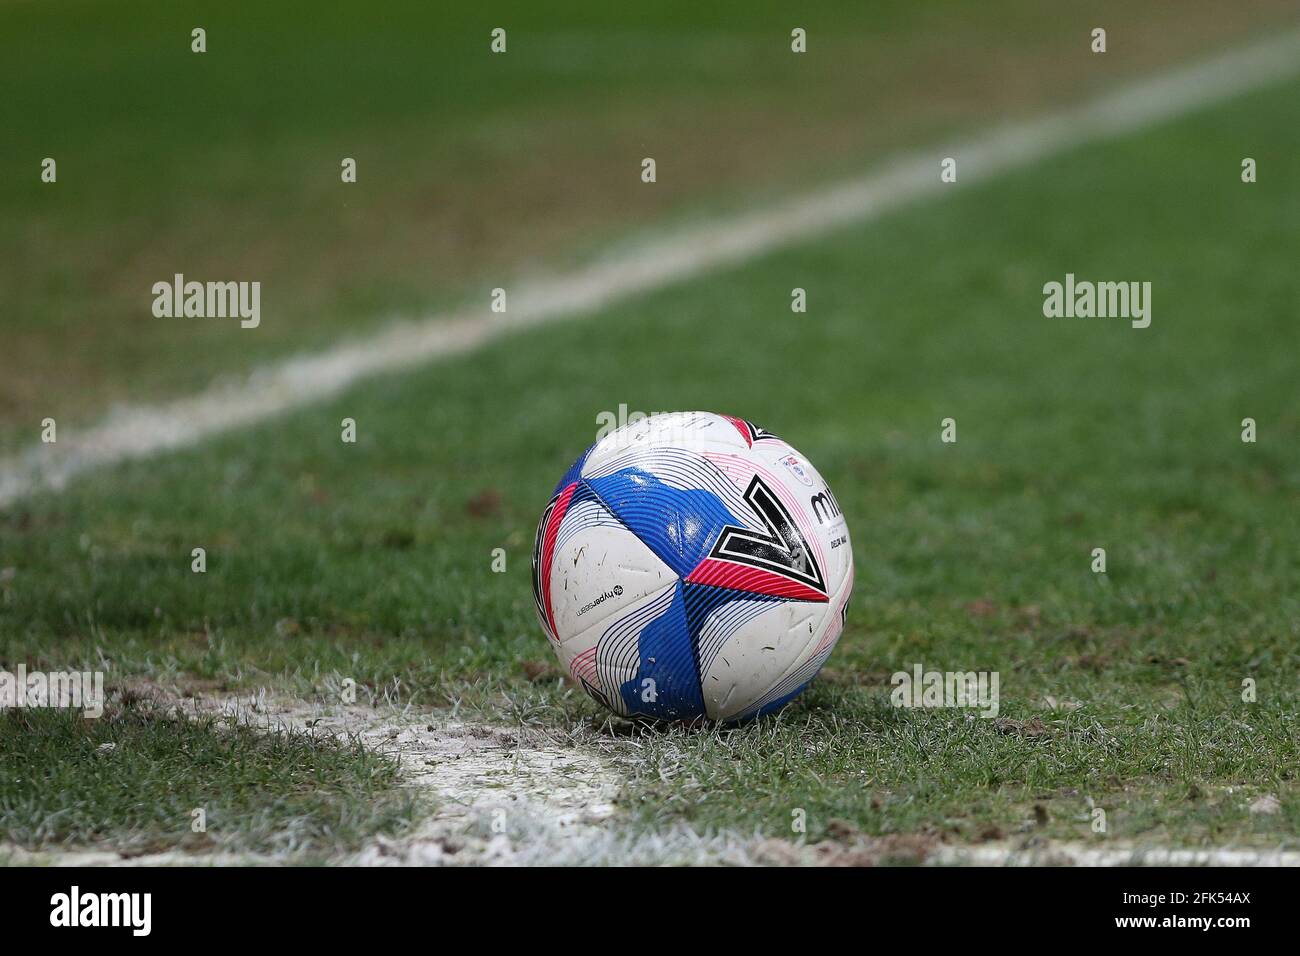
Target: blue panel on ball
x,y
667,684
679,526
574,472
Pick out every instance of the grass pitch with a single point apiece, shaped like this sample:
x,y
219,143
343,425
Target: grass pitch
x,y
148,776
1122,690
1163,692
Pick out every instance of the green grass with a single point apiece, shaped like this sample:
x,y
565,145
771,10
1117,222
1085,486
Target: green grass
x,y
1177,775
372,560
131,780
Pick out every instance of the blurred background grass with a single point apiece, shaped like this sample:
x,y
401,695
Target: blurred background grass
x,y
472,167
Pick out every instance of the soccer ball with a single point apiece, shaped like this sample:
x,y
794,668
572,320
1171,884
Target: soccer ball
x,y
692,565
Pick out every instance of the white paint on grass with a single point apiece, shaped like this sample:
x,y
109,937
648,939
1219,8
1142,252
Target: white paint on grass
x,y
495,795
679,255
507,796
1075,854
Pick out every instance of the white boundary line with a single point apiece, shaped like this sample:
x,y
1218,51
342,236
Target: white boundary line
x,y
135,432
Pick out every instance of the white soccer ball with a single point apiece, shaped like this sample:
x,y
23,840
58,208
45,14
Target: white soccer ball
x,y
692,565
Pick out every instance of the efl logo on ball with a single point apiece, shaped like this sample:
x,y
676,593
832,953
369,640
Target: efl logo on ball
x,y
692,565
